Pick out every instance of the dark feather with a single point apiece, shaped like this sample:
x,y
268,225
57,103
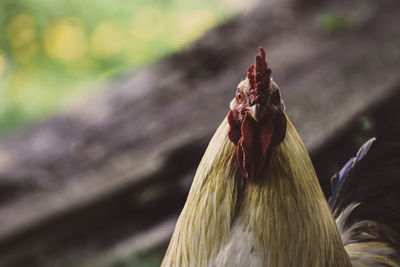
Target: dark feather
x,y
372,178
338,179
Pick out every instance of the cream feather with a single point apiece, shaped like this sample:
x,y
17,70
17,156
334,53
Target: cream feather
x,y
284,217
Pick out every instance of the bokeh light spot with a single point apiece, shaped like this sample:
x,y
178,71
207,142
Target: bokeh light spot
x,y
21,30
107,39
65,40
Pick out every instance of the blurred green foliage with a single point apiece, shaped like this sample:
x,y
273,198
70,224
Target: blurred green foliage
x,y
366,127
333,22
53,51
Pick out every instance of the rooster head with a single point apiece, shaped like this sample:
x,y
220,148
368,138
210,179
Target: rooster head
x,y
256,118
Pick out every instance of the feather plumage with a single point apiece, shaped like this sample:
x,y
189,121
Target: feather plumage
x,y
366,203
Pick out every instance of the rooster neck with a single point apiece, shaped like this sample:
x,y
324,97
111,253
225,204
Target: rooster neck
x,y
280,220
205,222
287,212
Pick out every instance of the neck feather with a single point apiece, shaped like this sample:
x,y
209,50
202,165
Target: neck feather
x,y
285,211
205,221
289,213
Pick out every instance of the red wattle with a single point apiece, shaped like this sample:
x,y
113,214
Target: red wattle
x,y
264,131
280,124
253,146
234,130
245,152
254,140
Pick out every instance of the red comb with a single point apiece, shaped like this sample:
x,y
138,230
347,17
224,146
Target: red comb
x,y
259,76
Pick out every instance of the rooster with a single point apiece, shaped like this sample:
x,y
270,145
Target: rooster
x,y
256,200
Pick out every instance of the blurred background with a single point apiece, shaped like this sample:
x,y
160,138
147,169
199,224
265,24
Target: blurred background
x,y
106,108
54,52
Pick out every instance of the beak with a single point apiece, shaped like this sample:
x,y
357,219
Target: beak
x,y
255,111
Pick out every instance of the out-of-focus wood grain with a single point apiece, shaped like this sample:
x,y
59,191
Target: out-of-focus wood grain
x,y
122,159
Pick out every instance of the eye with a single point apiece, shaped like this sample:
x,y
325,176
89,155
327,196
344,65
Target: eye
x,y
239,96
